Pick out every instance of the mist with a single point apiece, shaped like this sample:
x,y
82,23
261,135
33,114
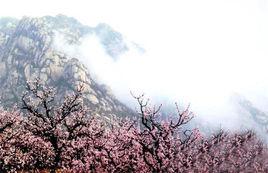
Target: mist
x,y
165,81
197,52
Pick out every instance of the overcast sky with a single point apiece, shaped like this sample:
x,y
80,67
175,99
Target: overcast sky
x,y
200,50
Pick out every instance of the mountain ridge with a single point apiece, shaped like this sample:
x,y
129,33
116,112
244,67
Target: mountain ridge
x,y
27,53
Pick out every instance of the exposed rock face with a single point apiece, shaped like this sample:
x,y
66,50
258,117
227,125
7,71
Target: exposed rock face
x,y
26,53
260,117
111,40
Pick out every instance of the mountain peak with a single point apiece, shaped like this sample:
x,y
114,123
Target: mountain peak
x,y
27,52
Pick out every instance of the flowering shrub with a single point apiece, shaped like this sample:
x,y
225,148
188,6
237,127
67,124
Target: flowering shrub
x,y
52,136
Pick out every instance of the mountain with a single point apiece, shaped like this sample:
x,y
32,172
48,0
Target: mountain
x,y
253,113
27,52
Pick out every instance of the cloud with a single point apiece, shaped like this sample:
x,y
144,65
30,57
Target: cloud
x,y
162,79
198,52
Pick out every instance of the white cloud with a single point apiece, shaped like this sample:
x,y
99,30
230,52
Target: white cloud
x,y
197,51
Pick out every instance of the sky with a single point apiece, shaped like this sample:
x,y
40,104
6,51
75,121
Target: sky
x,y
197,51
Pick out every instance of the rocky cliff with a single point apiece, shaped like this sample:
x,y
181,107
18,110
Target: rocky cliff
x,y
27,52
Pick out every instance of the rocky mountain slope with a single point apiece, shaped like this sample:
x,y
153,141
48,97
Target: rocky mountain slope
x,y
259,116
27,52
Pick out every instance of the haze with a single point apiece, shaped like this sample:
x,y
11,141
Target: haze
x,y
199,52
